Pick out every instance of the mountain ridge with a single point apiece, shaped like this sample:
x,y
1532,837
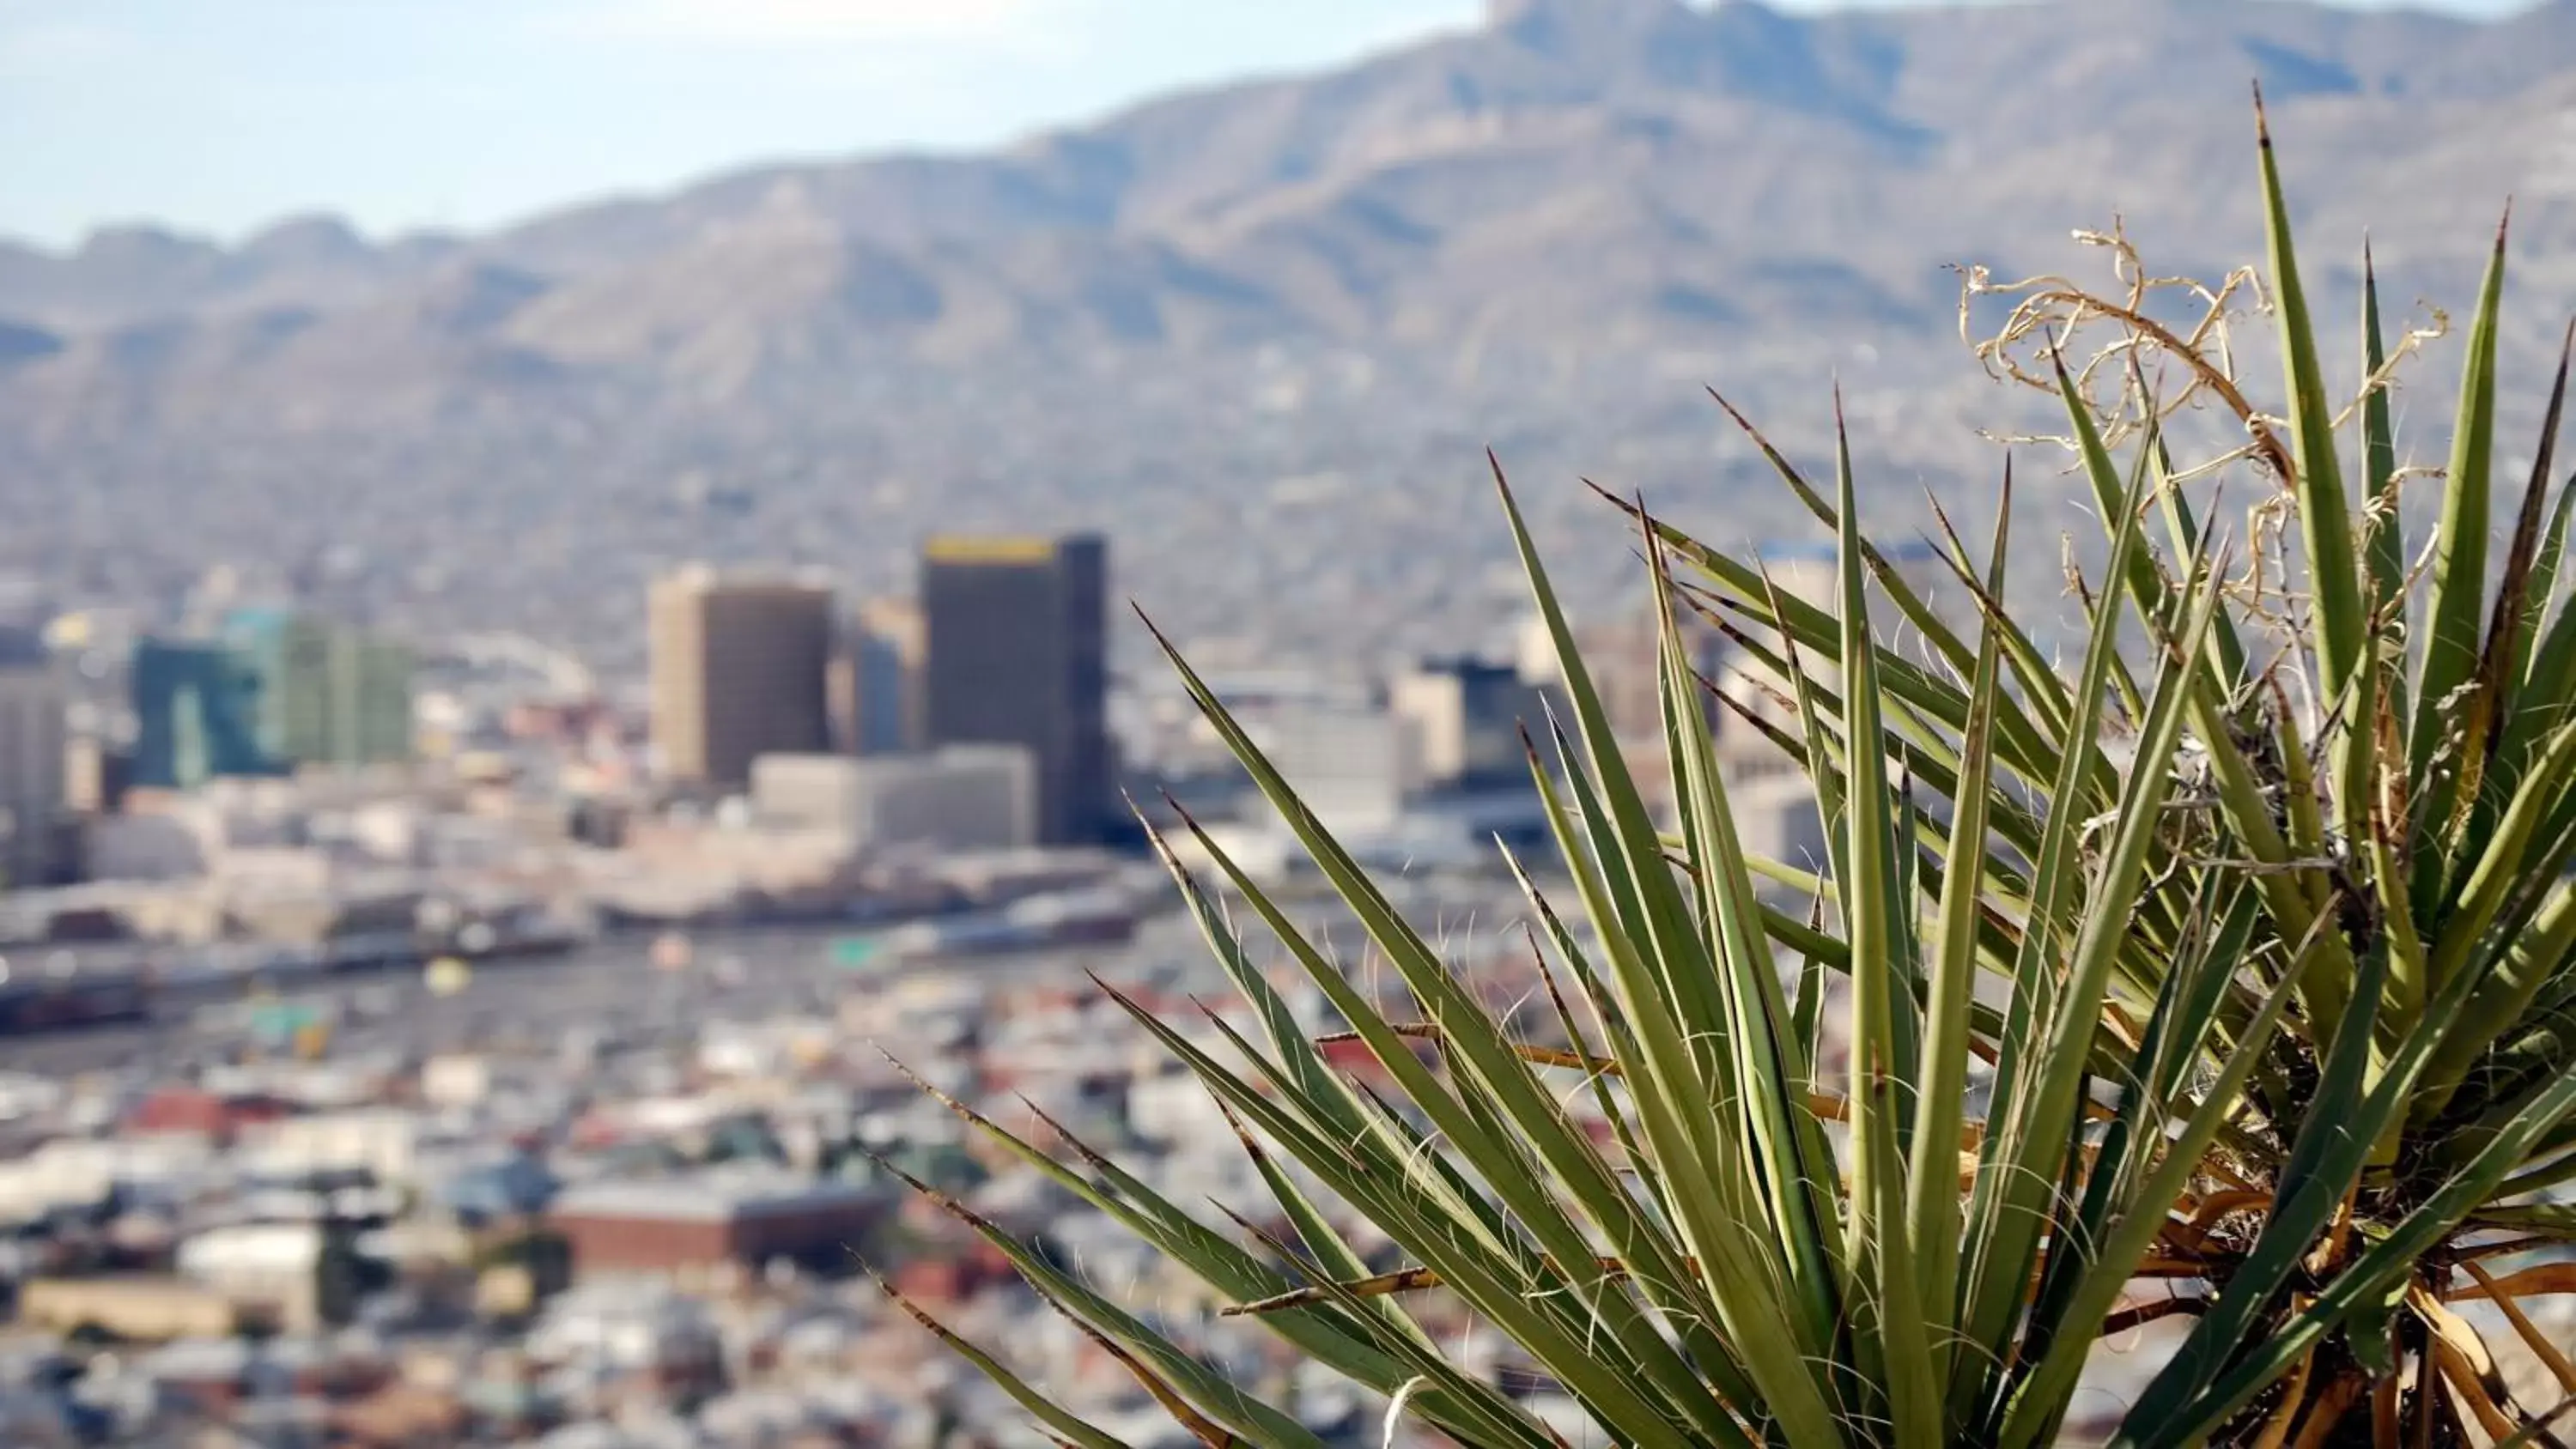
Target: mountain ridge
x,y
1616,174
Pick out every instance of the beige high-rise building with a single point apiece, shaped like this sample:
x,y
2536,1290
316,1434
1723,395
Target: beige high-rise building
x,y
739,665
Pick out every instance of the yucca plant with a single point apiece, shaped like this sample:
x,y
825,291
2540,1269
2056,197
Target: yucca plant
x,y
2249,932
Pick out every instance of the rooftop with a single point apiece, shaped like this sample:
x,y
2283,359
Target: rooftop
x,y
709,1197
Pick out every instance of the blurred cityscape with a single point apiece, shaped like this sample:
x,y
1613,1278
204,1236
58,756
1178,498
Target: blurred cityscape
x,y
523,754
411,1038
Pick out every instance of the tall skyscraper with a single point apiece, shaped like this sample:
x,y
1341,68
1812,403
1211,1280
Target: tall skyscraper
x,y
196,714
1017,636
739,667
34,750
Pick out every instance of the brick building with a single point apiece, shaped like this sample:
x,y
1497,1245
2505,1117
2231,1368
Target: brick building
x,y
661,1224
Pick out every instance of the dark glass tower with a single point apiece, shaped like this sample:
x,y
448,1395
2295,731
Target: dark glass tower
x,y
1017,653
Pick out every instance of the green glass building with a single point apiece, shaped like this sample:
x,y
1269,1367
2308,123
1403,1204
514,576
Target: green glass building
x,y
328,696
196,714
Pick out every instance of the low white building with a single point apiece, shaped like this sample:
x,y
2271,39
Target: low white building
x,y
382,1142
74,1172
456,1080
624,1323
959,797
1354,766
273,1263
805,792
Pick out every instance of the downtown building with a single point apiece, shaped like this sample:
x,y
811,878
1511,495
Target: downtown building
x,y
321,695
740,668
197,714
1015,652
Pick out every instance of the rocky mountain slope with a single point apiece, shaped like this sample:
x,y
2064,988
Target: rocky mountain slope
x,y
1261,332
1576,176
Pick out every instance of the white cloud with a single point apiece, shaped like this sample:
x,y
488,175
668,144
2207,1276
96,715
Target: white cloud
x,y
817,22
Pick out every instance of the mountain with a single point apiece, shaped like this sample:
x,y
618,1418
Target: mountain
x,y
1515,228
1576,173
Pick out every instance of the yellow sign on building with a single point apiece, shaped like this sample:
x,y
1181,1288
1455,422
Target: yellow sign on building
x,y
971,549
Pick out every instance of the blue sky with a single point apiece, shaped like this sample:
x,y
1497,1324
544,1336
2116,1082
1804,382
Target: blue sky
x,y
220,115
